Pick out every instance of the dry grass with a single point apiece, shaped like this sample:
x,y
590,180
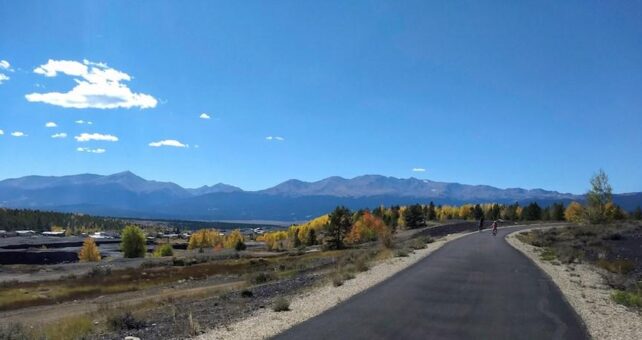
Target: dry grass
x,y
104,281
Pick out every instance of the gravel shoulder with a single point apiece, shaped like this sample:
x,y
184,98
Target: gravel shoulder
x,y
266,323
585,289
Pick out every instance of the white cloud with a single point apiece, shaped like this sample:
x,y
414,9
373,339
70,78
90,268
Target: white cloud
x,y
85,137
418,170
59,135
51,125
168,142
277,138
97,150
88,122
97,86
4,66
204,116
19,134
1,132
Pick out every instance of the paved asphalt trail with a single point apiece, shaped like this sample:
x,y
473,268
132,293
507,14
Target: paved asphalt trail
x,y
476,287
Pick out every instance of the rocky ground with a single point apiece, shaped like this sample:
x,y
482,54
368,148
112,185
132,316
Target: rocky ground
x,y
183,319
587,290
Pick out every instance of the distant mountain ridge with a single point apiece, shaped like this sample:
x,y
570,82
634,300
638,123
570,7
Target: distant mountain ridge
x,y
376,185
125,194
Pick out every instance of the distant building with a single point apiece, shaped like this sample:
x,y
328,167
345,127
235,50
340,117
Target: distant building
x,y
25,232
54,233
99,235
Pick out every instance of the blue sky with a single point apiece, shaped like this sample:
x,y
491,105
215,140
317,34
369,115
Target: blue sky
x,y
511,94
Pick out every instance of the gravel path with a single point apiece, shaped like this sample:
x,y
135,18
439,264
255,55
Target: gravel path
x,y
266,323
586,291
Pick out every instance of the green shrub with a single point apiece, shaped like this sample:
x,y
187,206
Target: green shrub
x,y
337,280
281,305
417,244
164,250
348,276
548,255
629,299
401,253
133,242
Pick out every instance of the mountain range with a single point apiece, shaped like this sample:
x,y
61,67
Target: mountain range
x,y
125,194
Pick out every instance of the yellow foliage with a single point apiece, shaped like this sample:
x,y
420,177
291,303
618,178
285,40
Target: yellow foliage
x,y
89,251
614,212
205,238
303,230
275,240
233,238
574,212
369,228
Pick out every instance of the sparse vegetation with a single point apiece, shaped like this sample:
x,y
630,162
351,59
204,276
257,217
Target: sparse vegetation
x,y
629,298
124,321
617,266
261,277
78,327
401,253
604,246
548,254
14,332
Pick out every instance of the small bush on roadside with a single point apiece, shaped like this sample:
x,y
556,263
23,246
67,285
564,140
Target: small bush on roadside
x,y
164,250
246,293
348,276
124,321
417,244
337,280
281,304
361,264
629,299
401,253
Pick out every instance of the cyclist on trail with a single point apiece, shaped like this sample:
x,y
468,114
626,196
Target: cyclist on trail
x,y
481,224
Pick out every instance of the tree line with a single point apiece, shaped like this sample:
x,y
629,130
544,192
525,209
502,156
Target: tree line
x,y
20,219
